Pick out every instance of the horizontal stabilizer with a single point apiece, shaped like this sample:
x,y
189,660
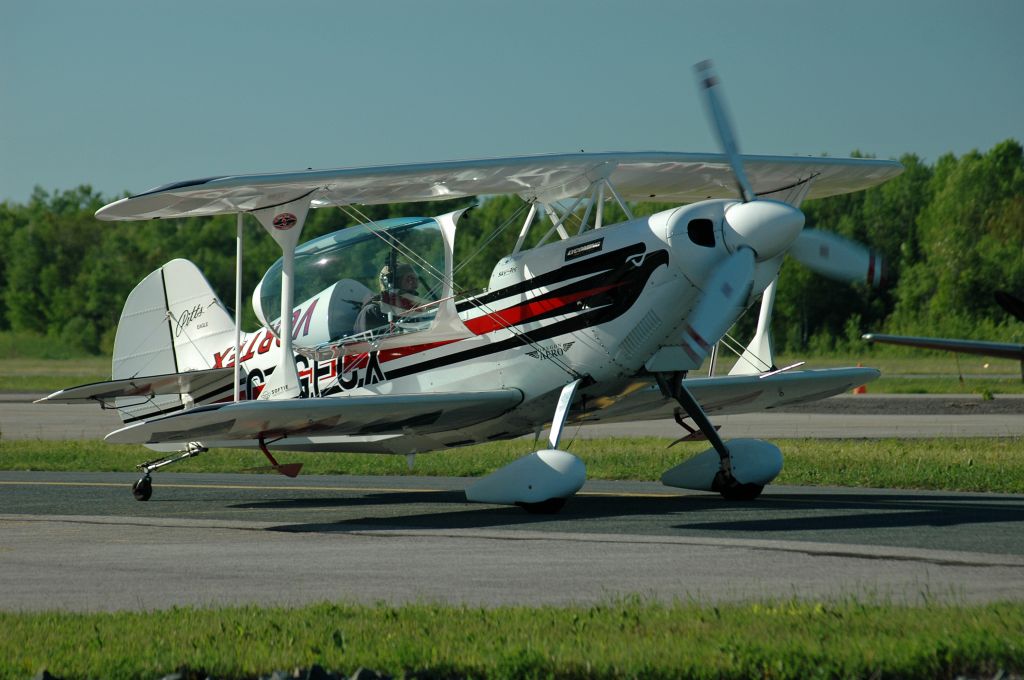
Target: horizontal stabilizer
x,y
347,415
142,386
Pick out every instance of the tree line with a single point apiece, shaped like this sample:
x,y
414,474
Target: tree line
x,y
951,233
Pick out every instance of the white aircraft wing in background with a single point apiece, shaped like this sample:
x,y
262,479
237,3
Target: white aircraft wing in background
x,y
348,415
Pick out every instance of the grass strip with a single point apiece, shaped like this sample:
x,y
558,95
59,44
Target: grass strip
x,y
966,464
630,637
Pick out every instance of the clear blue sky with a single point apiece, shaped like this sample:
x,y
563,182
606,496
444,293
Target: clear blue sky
x,y
126,95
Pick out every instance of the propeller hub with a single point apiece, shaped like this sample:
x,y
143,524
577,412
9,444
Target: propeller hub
x,y
767,227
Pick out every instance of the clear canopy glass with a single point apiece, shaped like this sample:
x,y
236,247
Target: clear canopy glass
x,y
362,281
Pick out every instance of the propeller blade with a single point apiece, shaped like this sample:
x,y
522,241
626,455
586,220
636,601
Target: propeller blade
x,y
838,258
720,118
1013,305
724,298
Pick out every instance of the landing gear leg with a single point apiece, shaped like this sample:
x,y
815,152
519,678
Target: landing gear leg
x,y
692,434
143,489
724,482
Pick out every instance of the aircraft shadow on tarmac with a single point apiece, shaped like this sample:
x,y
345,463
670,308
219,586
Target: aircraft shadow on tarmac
x,y
856,512
686,514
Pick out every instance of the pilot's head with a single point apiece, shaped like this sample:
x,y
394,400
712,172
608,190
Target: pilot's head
x,y
407,279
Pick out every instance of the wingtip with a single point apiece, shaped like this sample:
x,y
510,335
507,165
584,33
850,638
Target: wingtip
x,y
50,398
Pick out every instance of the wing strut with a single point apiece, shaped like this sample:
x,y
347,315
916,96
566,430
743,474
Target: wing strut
x,y
284,223
238,303
558,222
759,356
618,199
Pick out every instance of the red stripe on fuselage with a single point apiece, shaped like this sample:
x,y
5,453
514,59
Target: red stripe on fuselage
x,y
528,310
399,352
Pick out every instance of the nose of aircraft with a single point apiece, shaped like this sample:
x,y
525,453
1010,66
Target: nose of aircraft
x,y
767,227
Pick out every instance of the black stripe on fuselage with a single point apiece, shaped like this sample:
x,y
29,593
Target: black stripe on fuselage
x,y
599,308
605,261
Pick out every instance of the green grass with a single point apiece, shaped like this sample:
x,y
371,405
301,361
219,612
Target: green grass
x,y
621,639
969,464
50,375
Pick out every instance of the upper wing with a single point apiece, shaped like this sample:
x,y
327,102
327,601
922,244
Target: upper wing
x,y
346,415
1003,350
142,386
637,176
723,395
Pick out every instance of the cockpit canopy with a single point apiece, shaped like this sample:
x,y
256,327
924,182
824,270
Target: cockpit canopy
x,y
361,282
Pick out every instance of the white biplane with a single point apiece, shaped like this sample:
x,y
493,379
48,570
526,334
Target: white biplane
x,y
368,346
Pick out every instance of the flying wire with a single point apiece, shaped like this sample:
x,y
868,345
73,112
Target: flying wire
x,y
377,230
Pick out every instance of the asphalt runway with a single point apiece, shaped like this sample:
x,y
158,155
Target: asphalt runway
x,y
79,541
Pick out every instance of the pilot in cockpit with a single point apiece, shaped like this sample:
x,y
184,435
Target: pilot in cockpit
x,y
399,299
400,294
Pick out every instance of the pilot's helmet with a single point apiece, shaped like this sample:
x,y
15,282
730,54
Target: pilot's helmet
x,y
405,278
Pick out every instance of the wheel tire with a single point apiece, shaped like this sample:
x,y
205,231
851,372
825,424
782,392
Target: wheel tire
x,y
551,506
143,489
742,492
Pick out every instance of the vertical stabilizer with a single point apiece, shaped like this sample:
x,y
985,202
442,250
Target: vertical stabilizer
x,y
172,322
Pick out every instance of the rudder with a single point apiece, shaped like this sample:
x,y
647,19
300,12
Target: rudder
x,y
172,322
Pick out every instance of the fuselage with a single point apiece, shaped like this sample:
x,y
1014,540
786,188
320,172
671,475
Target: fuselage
x,y
595,306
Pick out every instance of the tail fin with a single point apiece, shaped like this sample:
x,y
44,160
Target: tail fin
x,y
172,322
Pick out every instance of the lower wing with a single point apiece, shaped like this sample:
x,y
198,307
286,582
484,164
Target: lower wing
x,y
727,394
377,414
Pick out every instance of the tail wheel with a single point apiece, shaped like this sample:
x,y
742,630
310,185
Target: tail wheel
x,y
143,489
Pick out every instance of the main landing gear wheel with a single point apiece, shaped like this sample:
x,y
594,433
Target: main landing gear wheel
x,y
738,492
143,489
551,506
